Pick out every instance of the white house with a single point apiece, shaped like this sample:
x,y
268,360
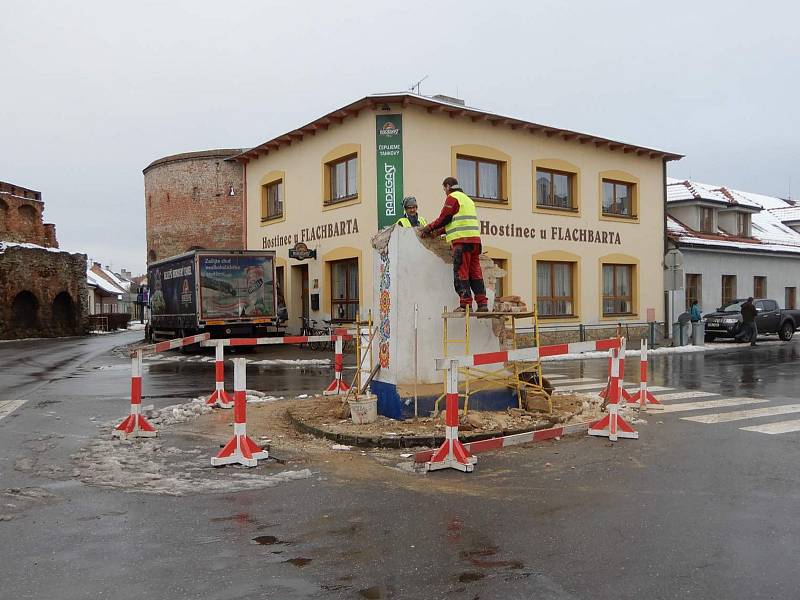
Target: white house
x,y
735,244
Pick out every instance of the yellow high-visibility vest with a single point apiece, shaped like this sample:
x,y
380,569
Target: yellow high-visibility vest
x,y
404,222
465,222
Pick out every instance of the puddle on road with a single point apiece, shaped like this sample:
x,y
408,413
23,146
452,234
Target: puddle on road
x,y
471,576
370,593
299,561
267,540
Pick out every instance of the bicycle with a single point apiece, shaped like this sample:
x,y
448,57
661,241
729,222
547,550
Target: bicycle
x,y
309,328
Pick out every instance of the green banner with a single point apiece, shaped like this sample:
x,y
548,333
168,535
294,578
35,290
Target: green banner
x,y
389,160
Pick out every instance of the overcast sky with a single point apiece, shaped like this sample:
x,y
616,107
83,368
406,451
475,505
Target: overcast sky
x,y
93,91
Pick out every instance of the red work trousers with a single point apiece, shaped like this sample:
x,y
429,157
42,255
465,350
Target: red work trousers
x,y
467,273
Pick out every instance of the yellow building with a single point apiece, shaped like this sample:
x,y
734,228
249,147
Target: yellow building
x,y
576,220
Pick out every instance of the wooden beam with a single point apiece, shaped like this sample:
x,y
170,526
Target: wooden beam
x,y
457,113
627,149
568,136
435,109
406,101
550,132
600,143
655,154
479,117
641,152
613,147
534,128
583,139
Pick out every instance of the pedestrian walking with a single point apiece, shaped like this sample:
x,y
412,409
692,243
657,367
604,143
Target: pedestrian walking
x,y
749,330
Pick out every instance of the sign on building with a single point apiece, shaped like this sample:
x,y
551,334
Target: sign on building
x,y
389,160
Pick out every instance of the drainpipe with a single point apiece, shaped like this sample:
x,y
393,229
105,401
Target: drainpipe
x,y
244,206
667,313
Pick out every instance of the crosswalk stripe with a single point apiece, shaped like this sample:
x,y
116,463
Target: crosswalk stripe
x,y
556,376
680,407
579,380
775,428
586,386
9,406
651,388
685,395
740,415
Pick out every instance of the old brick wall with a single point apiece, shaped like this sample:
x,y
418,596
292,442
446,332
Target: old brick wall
x,y
21,212
188,203
42,293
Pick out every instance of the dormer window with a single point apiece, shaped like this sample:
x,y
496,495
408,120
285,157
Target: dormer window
x,y
743,224
707,220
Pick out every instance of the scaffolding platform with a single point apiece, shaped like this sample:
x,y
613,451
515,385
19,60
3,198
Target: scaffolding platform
x,y
487,315
519,376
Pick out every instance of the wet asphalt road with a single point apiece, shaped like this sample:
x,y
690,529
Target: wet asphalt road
x,y
689,510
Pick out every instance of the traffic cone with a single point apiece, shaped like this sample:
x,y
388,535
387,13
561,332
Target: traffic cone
x,y
643,397
240,449
612,425
337,386
220,397
135,424
452,453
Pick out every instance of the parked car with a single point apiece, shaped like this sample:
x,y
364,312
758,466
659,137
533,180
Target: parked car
x,y
726,321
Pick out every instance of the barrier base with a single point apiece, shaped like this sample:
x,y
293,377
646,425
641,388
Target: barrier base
x,y
134,425
643,401
452,455
239,450
220,399
336,387
625,394
613,426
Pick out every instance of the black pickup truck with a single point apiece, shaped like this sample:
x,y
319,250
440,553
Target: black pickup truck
x,y
727,320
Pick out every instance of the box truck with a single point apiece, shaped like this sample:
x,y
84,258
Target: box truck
x,y
227,293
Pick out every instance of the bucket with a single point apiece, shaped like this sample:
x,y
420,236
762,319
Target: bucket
x,y
364,410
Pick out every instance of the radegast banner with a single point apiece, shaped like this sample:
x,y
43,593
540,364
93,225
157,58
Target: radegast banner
x,y
389,155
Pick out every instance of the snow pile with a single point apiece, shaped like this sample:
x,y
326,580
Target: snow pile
x,y
269,362
178,413
5,245
153,467
288,362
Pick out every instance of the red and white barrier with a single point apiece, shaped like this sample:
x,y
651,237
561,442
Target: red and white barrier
x,y
624,394
240,449
644,397
219,397
613,426
175,343
452,453
512,440
337,386
270,341
536,353
135,424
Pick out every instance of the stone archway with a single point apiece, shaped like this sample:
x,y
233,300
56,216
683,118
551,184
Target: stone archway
x,y
25,313
63,311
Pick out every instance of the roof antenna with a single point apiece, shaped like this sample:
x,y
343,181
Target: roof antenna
x,y
415,86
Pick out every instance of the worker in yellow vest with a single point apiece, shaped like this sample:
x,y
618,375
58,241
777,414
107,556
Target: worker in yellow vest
x,y
462,229
410,217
